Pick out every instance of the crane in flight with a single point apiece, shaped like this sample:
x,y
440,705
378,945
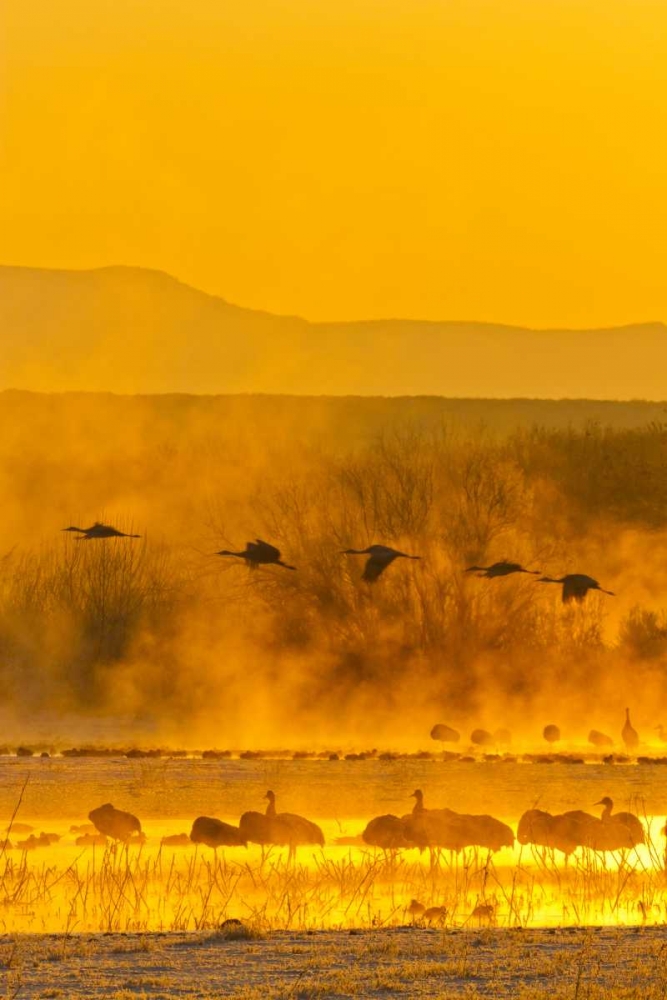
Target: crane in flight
x,y
258,553
501,569
380,556
99,530
576,586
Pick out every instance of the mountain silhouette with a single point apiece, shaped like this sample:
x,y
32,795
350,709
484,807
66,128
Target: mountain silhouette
x,y
132,330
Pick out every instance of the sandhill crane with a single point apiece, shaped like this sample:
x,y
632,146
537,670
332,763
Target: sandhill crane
x,y
599,739
445,734
214,833
629,734
576,586
254,827
562,832
444,828
290,829
114,823
99,530
415,909
662,733
482,738
501,569
387,832
176,840
258,553
381,556
551,733
435,914
428,828
629,829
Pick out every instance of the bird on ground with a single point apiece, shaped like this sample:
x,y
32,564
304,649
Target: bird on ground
x,y
381,556
484,912
91,840
576,586
176,840
281,829
386,832
445,734
435,914
501,569
114,822
551,733
99,530
482,738
214,833
599,739
258,553
415,909
629,734
567,831
255,828
428,828
437,829
631,831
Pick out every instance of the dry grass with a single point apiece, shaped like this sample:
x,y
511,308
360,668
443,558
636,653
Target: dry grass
x,y
438,965
146,889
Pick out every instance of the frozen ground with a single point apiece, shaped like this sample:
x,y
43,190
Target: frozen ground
x,y
574,964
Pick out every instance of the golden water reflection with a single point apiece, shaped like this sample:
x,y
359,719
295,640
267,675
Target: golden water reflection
x,y
150,887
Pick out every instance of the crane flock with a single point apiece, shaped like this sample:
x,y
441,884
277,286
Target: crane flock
x,y
575,586
434,830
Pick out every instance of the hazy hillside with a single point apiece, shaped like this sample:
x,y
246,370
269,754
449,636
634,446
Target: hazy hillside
x,y
131,330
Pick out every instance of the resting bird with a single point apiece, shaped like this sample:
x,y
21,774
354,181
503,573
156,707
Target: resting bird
x,y
501,569
381,556
576,586
599,739
445,733
387,832
99,530
114,822
214,833
258,553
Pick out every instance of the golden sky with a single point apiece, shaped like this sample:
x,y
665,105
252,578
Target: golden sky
x,y
455,159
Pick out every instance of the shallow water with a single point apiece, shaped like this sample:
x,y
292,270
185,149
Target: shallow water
x,y
152,888
168,788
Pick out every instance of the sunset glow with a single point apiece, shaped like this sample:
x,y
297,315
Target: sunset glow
x,y
440,159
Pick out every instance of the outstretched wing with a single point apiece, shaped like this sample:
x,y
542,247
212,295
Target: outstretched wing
x,y
574,590
269,551
376,565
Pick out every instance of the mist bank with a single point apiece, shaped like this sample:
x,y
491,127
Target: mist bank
x,y
132,330
200,650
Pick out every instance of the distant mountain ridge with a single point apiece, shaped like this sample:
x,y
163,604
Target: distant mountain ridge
x,y
132,330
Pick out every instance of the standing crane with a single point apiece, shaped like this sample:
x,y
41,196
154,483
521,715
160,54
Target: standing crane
x,y
629,734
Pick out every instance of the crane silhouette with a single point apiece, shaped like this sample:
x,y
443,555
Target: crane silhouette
x,y
501,569
629,734
576,586
258,553
381,556
99,530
